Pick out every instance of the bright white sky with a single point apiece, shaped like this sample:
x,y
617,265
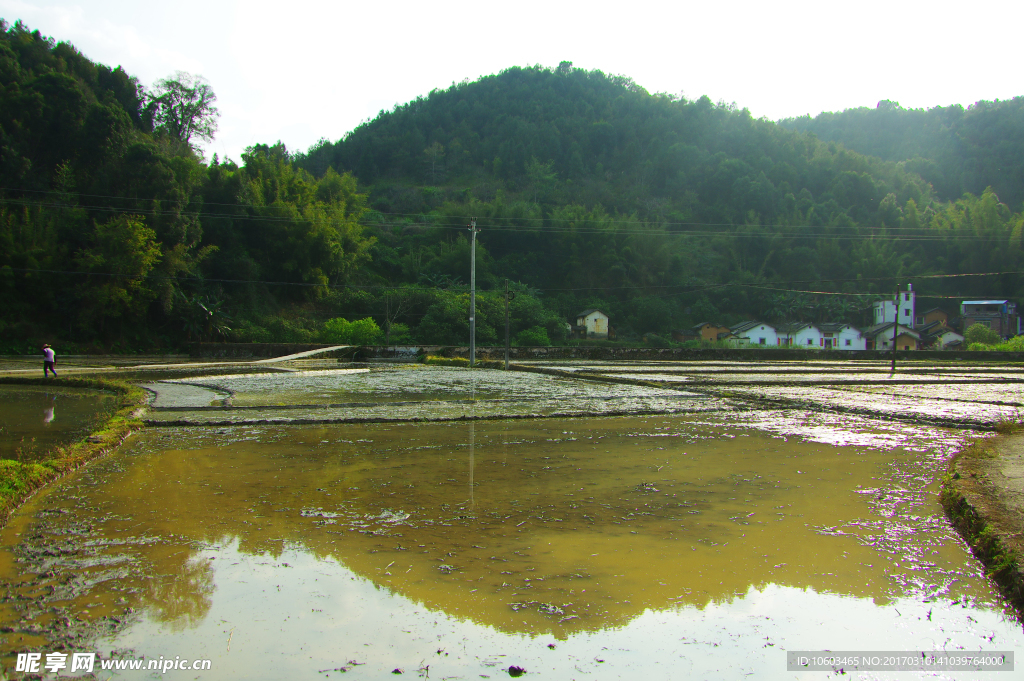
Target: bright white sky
x,y
299,70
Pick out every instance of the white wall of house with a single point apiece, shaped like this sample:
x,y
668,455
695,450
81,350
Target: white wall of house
x,y
850,338
762,334
807,338
812,338
884,309
596,323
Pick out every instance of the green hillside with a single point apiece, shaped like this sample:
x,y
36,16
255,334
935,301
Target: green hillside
x,y
564,136
598,192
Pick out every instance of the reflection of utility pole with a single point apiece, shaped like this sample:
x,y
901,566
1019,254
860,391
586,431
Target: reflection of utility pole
x,y
472,455
508,298
895,326
472,293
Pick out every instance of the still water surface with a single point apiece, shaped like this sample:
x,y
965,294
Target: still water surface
x,y
34,419
658,547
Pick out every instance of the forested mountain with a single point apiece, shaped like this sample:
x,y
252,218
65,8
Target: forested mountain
x,y
568,136
957,150
600,193
590,192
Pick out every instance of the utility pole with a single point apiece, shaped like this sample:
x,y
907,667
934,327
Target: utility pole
x,y
509,297
472,292
895,327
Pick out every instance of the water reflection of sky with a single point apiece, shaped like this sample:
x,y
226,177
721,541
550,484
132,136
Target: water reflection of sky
x,y
269,621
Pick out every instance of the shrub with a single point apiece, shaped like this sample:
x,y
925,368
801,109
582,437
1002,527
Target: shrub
x,y
401,335
288,330
656,341
246,331
272,330
1015,344
979,333
342,331
535,335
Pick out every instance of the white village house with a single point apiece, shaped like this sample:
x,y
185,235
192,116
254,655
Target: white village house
x,y
945,337
879,337
592,323
826,336
939,336
839,336
799,335
752,334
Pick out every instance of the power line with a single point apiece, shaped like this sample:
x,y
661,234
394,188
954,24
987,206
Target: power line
x,y
839,293
457,222
689,287
945,236
898,277
653,223
767,236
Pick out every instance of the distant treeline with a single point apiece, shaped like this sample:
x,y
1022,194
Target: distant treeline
x,y
590,192
957,150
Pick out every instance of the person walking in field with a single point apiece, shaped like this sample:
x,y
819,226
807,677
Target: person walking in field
x,y
49,359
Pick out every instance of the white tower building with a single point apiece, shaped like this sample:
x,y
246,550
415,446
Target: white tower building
x,y
885,310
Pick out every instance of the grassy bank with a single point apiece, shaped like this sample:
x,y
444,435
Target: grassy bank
x,y
983,522
18,480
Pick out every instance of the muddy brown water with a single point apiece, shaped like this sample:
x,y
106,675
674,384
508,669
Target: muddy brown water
x,y
660,547
34,419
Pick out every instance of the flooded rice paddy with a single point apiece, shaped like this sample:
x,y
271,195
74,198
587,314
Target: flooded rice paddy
x,y
895,404
412,382
703,540
34,419
403,393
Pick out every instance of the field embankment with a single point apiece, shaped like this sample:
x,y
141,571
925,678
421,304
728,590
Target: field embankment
x,y
983,495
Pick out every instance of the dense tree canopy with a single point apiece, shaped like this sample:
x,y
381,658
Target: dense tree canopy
x,y
113,228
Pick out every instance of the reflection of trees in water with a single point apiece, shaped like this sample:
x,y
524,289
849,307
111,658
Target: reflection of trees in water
x,y
182,598
280,493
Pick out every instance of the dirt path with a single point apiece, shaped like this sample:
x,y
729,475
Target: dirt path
x,y
24,365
